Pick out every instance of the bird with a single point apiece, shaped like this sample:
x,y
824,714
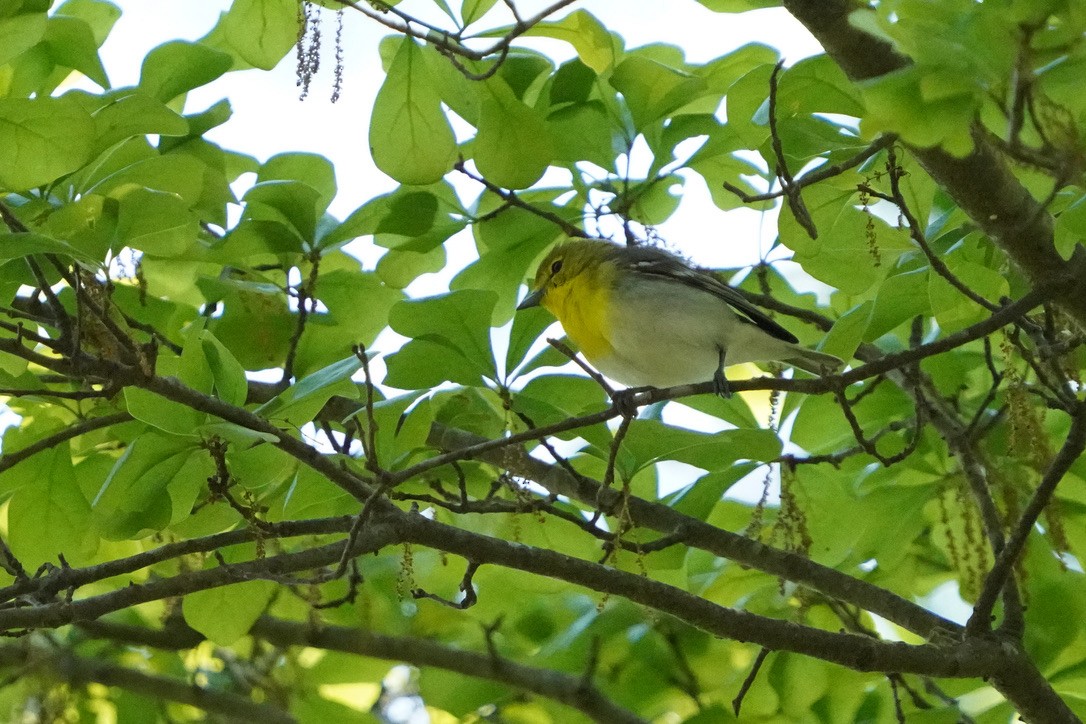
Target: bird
x,y
646,318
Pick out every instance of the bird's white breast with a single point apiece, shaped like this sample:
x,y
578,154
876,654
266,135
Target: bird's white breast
x,y
665,333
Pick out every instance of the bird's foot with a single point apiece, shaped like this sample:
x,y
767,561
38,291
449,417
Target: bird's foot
x,y
626,402
720,384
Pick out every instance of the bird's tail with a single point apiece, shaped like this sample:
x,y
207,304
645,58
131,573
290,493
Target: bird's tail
x,y
817,363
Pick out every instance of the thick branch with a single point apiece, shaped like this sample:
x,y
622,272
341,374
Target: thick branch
x,y
699,534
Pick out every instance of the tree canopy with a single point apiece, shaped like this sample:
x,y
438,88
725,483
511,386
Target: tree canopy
x,y
220,504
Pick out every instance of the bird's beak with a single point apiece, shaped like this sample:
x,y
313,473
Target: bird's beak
x,y
533,299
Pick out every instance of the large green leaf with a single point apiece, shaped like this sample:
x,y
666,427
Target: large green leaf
x,y
597,48
52,518
177,67
302,400
261,32
22,244
99,15
225,614
156,222
134,113
72,44
513,146
133,501
19,33
450,340
41,140
652,89
410,137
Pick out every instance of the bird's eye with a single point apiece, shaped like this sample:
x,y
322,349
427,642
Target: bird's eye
x,y
556,266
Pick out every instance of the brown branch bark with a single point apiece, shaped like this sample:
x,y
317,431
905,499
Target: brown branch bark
x,y
699,534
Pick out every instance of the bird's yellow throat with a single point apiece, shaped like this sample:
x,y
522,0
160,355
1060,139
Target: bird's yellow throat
x,y
581,305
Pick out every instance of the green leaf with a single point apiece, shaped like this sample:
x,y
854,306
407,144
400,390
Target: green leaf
x,y
583,132
746,97
410,219
71,45
312,390
597,48
817,85
22,244
399,268
291,203
41,140
410,137
157,411
652,89
261,32
177,67
231,386
472,10
156,222
738,6
450,340
226,613
20,33
135,114
553,398
897,102
700,497
133,501
178,174
345,291
650,441
953,310
313,170
502,270
900,298
99,15
528,324
513,146
51,517
234,433
853,248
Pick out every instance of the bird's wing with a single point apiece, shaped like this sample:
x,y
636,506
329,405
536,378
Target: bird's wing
x,y
657,263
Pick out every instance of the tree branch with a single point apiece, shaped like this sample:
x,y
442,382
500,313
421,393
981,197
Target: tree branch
x,y
11,459
698,534
76,670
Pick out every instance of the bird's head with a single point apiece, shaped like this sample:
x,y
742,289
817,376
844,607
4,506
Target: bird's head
x,y
563,264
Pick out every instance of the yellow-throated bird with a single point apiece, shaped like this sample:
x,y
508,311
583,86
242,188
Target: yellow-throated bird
x,y
645,317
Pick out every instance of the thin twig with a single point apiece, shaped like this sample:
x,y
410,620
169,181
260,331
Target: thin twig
x,y
511,199
792,193
11,459
737,702
819,174
305,290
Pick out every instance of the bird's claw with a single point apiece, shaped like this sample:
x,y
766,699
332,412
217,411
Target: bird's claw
x,y
721,386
